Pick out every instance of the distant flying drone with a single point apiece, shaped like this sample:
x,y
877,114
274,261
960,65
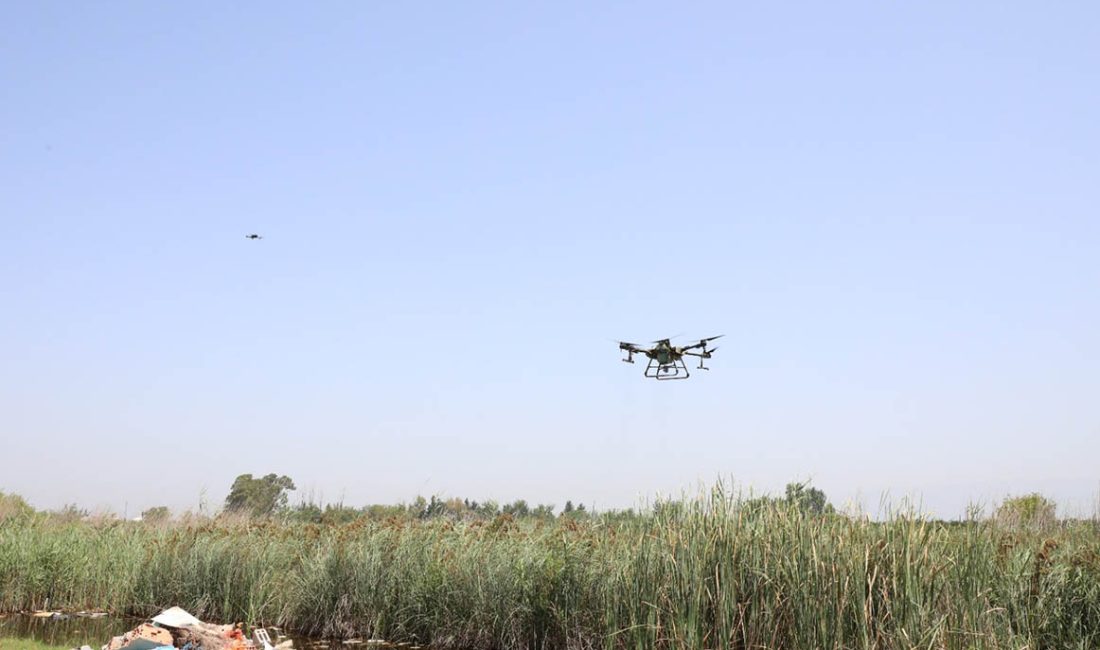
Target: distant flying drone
x,y
666,361
253,236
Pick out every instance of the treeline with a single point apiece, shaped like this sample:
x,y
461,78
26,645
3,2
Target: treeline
x,y
267,498
421,508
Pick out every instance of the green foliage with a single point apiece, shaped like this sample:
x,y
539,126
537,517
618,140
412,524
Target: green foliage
x,y
331,514
12,643
434,507
156,514
1033,511
486,509
543,511
259,497
13,505
808,499
574,512
712,572
517,508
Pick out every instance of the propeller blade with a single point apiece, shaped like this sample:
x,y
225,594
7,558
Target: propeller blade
x,y
707,340
668,340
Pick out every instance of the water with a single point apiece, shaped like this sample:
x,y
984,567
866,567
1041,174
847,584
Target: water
x,y
70,632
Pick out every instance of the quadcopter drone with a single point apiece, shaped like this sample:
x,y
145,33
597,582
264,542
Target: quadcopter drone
x,y
666,361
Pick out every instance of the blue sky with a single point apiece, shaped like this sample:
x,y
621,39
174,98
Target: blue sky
x,y
889,210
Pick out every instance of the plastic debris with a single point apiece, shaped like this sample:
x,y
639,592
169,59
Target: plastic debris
x,y
177,629
263,639
142,637
175,617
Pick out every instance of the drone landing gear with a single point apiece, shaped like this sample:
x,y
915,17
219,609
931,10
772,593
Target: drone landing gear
x,y
668,371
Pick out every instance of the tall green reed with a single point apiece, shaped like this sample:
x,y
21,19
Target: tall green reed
x,y
709,572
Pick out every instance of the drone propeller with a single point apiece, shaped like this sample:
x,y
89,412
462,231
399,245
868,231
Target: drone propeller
x,y
703,343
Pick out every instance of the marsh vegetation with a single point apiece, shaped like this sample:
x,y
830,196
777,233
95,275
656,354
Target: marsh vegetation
x,y
712,572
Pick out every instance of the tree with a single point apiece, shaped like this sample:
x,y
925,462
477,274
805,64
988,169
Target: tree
x,y
13,505
455,508
808,499
430,509
574,511
156,514
308,512
260,497
488,509
518,508
543,511
1028,511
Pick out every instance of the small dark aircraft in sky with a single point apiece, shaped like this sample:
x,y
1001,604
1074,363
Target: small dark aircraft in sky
x,y
666,361
253,236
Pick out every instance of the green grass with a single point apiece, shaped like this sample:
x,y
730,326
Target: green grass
x,y
9,643
708,573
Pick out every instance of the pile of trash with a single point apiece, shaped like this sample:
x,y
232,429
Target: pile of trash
x,y
175,629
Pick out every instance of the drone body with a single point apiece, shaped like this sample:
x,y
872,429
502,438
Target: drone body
x,y
253,236
666,361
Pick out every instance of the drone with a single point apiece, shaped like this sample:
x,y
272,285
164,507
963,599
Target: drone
x,y
253,236
666,361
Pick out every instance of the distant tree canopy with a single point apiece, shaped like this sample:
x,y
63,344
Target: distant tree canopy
x,y
808,499
70,512
13,505
517,508
158,513
1028,511
435,507
261,497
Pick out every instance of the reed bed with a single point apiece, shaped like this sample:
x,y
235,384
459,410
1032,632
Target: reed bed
x,y
705,573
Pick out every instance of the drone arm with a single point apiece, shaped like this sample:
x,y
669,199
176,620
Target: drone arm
x,y
630,349
702,343
705,354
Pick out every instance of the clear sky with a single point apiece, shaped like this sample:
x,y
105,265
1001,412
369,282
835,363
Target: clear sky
x,y
889,209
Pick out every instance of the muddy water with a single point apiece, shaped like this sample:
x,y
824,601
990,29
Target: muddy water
x,y
72,632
